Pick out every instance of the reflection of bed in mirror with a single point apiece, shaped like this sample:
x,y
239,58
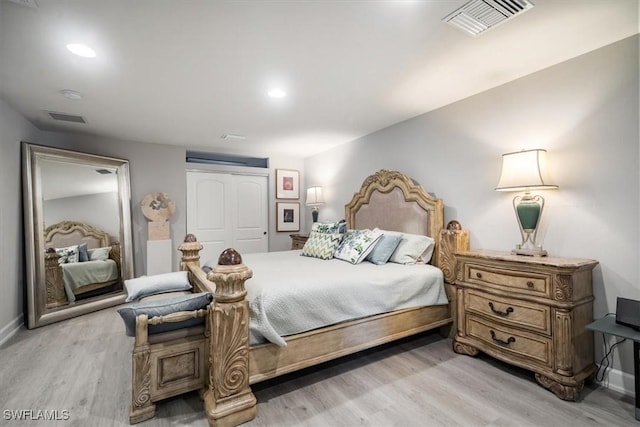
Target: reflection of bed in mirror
x,y
80,262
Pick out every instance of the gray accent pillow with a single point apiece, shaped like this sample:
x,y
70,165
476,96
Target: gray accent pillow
x,y
83,255
162,307
384,248
158,283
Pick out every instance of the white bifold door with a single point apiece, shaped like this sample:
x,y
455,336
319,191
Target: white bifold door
x,y
226,210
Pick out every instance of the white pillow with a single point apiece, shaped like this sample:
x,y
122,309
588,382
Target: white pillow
x,y
412,249
156,284
99,254
357,244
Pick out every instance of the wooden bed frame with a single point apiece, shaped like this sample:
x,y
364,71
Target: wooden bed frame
x,y
388,200
67,233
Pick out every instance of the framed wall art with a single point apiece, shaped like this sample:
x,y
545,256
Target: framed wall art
x,y
287,184
288,216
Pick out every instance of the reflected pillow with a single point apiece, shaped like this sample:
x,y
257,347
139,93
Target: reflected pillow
x,y
159,283
383,250
357,244
68,254
99,254
163,307
83,255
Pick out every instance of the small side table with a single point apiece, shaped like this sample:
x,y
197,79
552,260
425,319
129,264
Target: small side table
x,y
607,325
298,240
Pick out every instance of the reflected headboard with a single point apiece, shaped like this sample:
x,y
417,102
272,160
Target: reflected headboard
x,y
390,200
67,233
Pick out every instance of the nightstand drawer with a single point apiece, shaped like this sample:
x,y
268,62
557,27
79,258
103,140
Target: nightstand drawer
x,y
523,314
506,340
509,280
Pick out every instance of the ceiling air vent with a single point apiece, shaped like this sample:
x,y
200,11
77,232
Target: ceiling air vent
x,y
478,16
66,117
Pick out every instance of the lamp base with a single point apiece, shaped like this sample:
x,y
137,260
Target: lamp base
x,y
529,252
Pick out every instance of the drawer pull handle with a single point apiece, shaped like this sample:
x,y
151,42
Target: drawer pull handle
x,y
502,342
530,284
479,275
501,313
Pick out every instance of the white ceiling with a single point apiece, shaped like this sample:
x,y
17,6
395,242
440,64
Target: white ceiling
x,y
186,72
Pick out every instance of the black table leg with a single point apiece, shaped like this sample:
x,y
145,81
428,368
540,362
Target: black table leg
x,y
636,373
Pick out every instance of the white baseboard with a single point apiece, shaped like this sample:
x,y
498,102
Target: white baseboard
x,y
619,381
9,330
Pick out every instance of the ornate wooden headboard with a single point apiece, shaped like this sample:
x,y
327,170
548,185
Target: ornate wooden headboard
x,y
390,200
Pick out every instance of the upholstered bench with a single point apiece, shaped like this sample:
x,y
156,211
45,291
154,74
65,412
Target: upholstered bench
x,y
166,315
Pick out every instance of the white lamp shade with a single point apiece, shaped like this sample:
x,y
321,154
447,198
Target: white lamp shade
x,y
314,196
524,170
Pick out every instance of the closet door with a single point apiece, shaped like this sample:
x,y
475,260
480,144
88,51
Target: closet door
x,y
227,211
250,213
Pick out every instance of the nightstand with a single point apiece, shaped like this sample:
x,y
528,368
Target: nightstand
x,y
531,312
298,240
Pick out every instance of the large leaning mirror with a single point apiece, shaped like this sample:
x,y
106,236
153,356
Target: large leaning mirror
x,y
77,217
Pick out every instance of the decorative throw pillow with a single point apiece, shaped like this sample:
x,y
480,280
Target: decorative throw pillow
x,y
163,307
68,254
326,227
83,255
159,283
321,245
413,249
384,248
99,254
357,244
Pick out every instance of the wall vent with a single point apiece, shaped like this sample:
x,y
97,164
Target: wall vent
x,y
478,16
66,117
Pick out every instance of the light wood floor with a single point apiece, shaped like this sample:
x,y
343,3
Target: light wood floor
x,y
417,382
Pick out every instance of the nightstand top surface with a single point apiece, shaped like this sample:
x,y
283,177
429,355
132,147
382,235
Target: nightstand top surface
x,y
531,260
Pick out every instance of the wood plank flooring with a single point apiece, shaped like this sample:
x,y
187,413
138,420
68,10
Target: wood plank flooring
x,y
83,366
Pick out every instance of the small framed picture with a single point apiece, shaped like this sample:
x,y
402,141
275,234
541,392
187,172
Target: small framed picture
x,y
287,184
288,215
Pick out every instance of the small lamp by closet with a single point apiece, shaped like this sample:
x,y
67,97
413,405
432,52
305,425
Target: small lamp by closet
x,y
314,199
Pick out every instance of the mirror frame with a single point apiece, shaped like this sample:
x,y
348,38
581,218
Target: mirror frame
x,y
32,155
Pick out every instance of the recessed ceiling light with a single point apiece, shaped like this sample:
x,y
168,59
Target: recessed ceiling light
x,y
71,94
277,93
81,50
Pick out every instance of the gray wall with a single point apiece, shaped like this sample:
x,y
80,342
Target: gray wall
x,y
583,111
13,129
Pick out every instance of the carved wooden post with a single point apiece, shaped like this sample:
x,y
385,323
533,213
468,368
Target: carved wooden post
x,y
141,406
190,251
229,400
53,280
453,239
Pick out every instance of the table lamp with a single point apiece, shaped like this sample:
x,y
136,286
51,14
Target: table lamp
x,y
314,199
525,171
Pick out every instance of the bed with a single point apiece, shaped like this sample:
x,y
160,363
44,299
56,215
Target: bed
x,y
238,356
80,262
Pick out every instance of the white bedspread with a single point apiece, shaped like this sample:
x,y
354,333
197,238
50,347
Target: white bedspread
x,y
290,294
78,274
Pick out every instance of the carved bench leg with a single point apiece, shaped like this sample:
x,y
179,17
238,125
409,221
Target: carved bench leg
x,y
141,406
